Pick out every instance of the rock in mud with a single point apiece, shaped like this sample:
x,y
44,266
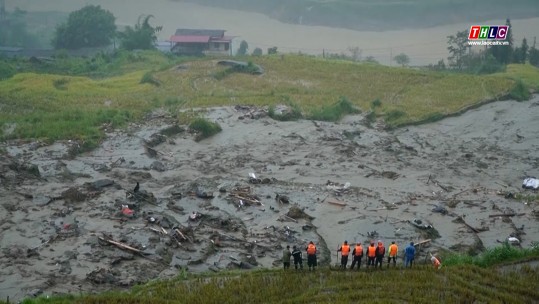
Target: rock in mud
x,y
297,213
35,293
102,276
41,200
158,166
27,169
102,183
172,130
155,140
74,195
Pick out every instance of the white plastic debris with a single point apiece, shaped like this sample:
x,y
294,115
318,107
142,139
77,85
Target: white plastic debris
x,y
513,240
252,175
530,183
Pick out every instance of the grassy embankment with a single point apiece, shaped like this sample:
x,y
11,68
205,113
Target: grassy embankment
x,y
56,106
462,279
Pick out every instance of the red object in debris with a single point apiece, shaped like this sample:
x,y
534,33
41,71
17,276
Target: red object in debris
x,y
67,226
127,211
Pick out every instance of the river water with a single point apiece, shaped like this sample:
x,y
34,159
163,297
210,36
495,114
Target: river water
x,y
423,46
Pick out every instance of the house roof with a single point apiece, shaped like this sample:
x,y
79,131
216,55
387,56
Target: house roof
x,y
189,39
200,32
222,39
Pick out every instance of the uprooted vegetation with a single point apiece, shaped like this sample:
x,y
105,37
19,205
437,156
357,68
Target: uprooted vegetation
x,y
204,128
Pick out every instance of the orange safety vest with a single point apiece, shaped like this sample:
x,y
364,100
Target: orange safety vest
x,y
393,250
371,251
345,249
359,250
311,249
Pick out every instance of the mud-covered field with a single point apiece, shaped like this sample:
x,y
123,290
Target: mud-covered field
x,y
63,230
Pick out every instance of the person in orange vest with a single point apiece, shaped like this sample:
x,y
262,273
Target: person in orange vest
x,y
435,262
371,254
393,250
357,254
311,256
380,253
345,251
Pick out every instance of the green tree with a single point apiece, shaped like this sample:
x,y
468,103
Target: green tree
x,y
272,50
243,48
257,52
520,54
402,59
458,46
504,53
13,32
91,26
143,36
533,55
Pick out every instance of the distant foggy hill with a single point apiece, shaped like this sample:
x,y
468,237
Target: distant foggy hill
x,y
382,14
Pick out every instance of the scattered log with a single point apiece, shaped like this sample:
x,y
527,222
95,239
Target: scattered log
x,y
122,245
455,195
183,235
461,219
441,186
471,203
246,199
336,202
289,218
422,242
507,214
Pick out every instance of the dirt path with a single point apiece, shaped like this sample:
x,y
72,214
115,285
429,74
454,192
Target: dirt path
x,y
55,227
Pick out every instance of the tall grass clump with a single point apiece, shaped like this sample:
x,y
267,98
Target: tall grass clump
x,y
335,111
148,77
60,83
204,128
493,256
520,91
376,103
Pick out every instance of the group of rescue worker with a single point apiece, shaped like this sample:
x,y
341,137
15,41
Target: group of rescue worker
x,y
374,253
298,257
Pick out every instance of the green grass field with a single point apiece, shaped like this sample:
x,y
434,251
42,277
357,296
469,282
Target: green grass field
x,y
49,104
504,274
422,284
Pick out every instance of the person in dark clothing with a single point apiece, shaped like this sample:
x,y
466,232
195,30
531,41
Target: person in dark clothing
x,y
286,257
357,254
298,258
380,253
409,255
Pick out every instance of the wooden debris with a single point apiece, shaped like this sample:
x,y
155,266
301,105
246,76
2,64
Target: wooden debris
x,y
507,214
289,218
422,242
461,220
121,245
245,195
336,202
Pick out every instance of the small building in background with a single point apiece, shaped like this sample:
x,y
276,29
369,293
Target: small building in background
x,y
201,42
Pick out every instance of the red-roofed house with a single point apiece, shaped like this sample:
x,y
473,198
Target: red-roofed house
x,y
200,41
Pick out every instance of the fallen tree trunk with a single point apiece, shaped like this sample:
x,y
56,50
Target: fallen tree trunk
x,y
506,214
121,245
